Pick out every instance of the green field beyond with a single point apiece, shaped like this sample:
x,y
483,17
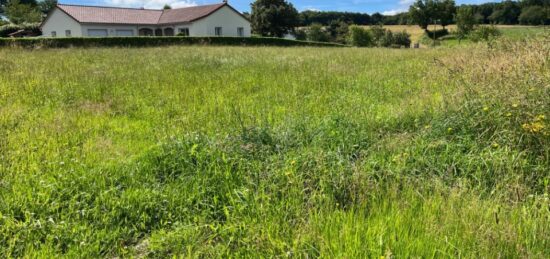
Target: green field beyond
x,y
265,151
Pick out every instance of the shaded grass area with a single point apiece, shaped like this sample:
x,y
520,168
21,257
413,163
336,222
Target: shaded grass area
x,y
216,151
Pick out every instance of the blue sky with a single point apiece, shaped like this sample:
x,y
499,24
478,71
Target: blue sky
x,y
368,6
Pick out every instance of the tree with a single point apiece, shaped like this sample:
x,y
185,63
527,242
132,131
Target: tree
x,y
465,20
167,7
274,18
506,13
47,5
377,18
447,11
18,12
533,15
421,14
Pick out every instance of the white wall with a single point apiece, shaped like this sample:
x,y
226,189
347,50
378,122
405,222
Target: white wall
x,y
59,22
226,18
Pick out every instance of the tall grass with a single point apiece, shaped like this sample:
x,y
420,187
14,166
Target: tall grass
x,y
258,152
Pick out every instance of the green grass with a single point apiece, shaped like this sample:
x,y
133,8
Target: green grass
x,y
509,32
259,152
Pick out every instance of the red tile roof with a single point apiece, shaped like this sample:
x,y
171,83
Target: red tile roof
x,y
189,14
115,15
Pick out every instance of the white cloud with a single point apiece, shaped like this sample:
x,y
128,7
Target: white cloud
x,y
152,4
394,11
403,7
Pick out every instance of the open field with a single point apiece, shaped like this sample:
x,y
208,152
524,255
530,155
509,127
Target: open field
x,y
511,31
265,151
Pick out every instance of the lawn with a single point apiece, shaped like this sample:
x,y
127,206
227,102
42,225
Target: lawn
x,y
264,151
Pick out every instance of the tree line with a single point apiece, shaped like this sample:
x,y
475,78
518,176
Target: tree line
x,y
529,12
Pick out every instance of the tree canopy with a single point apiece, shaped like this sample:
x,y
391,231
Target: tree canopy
x,y
26,11
273,18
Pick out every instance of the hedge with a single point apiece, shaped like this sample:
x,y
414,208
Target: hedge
x,y
155,41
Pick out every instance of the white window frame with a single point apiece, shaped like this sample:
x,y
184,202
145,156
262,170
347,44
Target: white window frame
x,y
218,31
240,31
54,34
68,33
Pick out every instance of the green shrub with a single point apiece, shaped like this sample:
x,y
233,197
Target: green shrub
x,y
484,33
317,33
382,37
402,39
378,33
300,34
155,41
359,37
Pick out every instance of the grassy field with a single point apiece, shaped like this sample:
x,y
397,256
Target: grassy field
x,y
264,151
515,32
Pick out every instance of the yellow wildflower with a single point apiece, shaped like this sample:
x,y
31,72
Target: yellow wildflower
x,y
496,145
485,108
509,114
515,105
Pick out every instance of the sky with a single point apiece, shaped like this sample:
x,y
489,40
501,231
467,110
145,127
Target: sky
x,y
364,6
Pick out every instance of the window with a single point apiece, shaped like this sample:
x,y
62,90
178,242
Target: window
x,y
184,32
240,31
54,34
219,31
68,33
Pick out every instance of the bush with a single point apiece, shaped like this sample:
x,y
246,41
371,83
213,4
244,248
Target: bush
x,y
300,34
437,33
317,33
484,33
378,33
359,37
385,38
402,39
155,41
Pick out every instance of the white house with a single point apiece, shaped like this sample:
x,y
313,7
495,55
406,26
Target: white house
x,y
97,21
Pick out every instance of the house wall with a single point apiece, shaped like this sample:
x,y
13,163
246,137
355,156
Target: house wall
x,y
59,22
111,29
226,18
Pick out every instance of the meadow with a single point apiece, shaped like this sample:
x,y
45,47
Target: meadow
x,y
514,32
264,151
